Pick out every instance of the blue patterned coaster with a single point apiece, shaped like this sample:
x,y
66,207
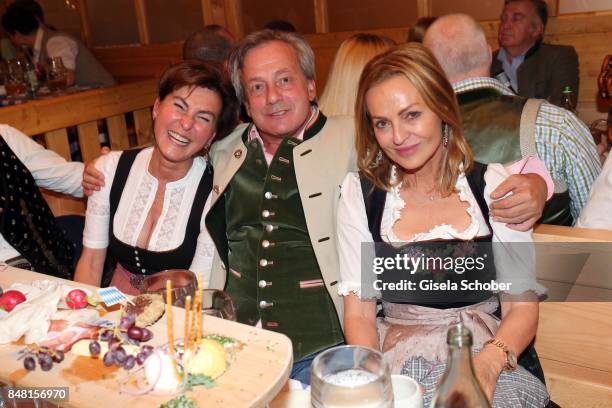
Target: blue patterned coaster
x,y
111,296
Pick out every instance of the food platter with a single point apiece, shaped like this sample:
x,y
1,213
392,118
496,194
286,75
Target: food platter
x,y
255,375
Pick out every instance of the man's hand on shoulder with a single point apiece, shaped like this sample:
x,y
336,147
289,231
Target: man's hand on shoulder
x,y
93,179
524,206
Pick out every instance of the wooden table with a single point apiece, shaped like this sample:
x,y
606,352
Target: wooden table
x,y
253,379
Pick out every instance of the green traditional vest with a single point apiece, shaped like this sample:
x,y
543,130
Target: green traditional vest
x,y
491,125
273,273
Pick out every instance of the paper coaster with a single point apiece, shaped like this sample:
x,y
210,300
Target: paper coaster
x,y
112,296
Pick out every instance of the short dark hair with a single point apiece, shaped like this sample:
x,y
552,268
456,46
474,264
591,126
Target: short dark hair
x,y
211,43
540,6
18,19
203,74
32,6
280,25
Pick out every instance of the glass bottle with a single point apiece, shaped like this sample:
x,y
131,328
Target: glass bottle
x,y
459,387
567,100
30,76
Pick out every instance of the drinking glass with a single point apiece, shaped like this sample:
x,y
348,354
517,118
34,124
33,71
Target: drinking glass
x,y
219,304
351,376
56,75
15,83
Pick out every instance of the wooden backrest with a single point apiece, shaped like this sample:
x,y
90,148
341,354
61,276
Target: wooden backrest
x,y
53,116
574,338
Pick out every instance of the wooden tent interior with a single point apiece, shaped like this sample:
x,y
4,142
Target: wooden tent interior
x,y
137,39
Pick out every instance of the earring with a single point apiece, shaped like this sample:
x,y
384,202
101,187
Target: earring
x,y
379,158
446,131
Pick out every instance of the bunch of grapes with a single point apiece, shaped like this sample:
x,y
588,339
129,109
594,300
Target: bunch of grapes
x,y
116,354
45,357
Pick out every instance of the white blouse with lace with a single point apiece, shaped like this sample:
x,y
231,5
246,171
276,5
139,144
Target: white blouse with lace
x,y
515,264
135,204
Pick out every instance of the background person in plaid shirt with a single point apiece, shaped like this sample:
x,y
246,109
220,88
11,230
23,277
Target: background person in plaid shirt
x,y
490,112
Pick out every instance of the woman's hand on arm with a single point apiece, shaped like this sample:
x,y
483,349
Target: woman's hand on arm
x,y
517,329
360,321
90,266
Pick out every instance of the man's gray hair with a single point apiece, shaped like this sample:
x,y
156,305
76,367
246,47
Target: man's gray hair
x,y
459,44
304,52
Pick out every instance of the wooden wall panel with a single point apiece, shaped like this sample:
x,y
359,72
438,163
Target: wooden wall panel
x,y
351,15
300,13
480,10
173,20
108,27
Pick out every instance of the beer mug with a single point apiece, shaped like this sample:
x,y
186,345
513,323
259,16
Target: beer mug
x,y
351,376
56,75
15,83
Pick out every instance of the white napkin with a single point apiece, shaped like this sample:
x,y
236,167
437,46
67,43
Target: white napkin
x,y
31,318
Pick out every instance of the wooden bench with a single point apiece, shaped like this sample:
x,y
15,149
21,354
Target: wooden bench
x,y
574,339
116,106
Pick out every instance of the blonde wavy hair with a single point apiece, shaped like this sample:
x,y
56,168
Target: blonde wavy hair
x,y
416,64
340,91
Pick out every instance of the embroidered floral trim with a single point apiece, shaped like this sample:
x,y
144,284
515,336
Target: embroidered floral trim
x,y
141,202
168,228
95,208
396,205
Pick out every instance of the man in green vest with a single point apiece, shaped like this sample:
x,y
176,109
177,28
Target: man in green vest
x,y
492,118
275,192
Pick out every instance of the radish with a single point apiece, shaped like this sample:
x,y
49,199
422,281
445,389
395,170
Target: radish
x,y
10,299
76,299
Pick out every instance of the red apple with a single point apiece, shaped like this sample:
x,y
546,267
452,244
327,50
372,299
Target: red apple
x,y
10,299
76,299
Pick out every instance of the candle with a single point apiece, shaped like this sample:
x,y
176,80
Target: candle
x,y
194,322
187,331
169,317
171,352
200,294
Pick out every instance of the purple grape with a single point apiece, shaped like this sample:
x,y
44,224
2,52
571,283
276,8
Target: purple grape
x,y
45,361
114,343
135,333
108,358
146,350
29,363
140,358
127,321
106,335
94,348
146,334
129,362
58,356
120,355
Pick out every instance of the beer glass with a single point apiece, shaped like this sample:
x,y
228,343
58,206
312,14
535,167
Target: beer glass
x,y
351,376
15,83
56,75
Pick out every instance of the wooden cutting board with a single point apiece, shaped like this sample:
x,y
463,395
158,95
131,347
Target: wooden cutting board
x,y
255,376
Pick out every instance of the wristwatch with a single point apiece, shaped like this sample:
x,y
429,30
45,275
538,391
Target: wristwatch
x,y
511,362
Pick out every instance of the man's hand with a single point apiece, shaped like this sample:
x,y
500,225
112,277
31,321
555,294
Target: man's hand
x,y
524,206
93,179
